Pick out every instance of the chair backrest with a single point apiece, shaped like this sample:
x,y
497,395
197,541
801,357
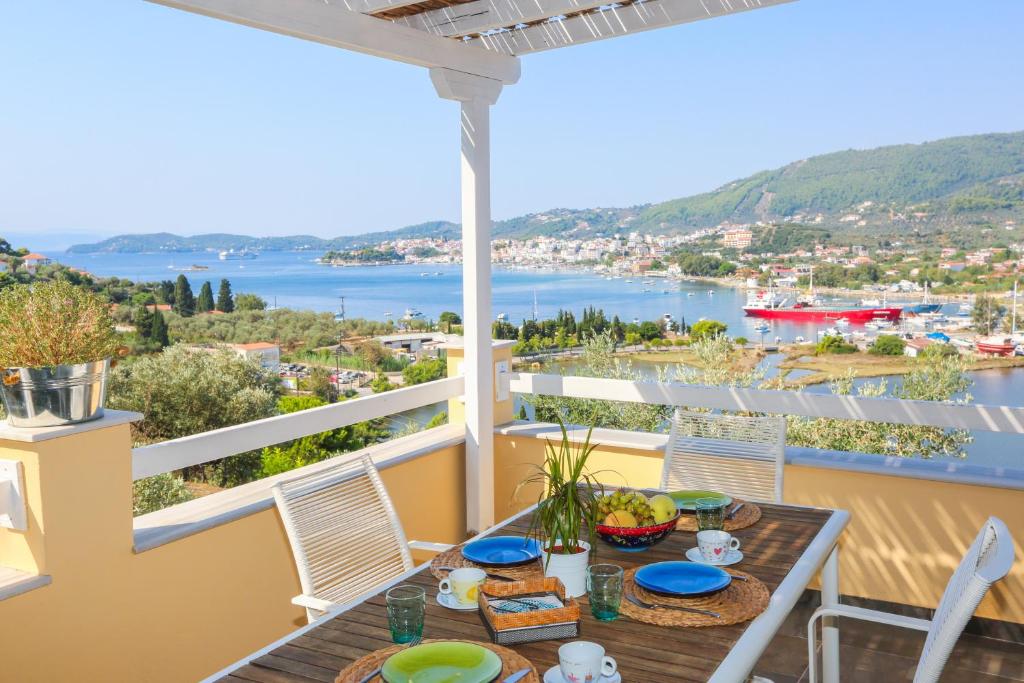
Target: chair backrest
x,y
987,560
735,454
344,532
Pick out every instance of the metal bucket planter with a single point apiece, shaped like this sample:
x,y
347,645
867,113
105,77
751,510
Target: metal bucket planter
x,y
56,395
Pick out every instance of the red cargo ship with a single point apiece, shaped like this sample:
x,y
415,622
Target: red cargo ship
x,y
767,305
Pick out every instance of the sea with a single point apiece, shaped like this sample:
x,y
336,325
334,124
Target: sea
x,y
295,280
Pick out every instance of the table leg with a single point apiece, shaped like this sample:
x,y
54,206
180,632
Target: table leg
x,y
830,625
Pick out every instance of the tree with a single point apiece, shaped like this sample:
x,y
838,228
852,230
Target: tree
x,y
373,353
321,384
833,343
158,332
703,329
650,330
249,302
424,371
225,302
987,314
182,392
204,303
143,319
184,301
381,384
449,318
888,345
165,292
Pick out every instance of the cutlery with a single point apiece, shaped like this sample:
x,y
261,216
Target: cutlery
x,y
497,577
517,676
372,674
648,605
732,513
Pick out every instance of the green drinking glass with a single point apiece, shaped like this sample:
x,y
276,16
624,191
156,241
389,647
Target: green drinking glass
x,y
710,514
407,606
604,590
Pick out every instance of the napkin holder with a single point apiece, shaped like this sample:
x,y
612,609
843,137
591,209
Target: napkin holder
x,y
527,627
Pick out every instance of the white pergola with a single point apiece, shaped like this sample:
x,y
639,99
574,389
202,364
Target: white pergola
x,y
472,49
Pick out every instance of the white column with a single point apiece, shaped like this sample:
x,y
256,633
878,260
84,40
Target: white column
x,y
476,95
830,625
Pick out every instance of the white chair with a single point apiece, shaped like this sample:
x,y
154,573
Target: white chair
x,y
987,560
735,454
344,532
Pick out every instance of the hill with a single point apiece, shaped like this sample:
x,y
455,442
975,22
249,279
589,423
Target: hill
x,y
945,184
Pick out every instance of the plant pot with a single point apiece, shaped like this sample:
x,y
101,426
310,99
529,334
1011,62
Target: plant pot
x,y
55,395
570,569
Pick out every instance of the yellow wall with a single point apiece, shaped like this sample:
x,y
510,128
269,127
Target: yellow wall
x,y
905,538
177,612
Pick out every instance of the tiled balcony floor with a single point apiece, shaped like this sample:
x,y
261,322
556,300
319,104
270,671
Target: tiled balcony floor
x,y
873,653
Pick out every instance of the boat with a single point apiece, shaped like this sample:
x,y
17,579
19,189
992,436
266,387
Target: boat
x,y
689,294
843,322
232,255
424,274
762,328
768,305
878,324
998,345
925,306
412,314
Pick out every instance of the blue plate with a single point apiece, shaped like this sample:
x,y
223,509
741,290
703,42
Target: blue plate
x,y
682,578
501,551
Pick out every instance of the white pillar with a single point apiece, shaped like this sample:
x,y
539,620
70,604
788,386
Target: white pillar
x,y
475,96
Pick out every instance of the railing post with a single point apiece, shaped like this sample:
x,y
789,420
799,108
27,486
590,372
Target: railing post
x,y
475,96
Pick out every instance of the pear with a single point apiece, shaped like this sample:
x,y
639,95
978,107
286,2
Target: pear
x,y
663,508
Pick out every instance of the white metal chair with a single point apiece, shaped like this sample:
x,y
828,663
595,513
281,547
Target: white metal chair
x,y
344,532
987,560
735,454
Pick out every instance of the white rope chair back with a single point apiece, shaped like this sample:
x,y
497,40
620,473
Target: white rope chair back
x,y
987,560
344,532
735,454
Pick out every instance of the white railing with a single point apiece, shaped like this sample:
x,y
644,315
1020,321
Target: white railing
x,y
891,410
197,449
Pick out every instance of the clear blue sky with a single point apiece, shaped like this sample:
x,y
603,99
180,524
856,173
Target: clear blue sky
x,y
122,116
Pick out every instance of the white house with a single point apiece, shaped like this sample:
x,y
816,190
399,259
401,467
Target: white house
x,y
269,355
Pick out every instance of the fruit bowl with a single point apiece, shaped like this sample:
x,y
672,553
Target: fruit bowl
x,y
636,538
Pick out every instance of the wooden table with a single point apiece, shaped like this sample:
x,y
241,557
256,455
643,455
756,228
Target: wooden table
x,y
785,549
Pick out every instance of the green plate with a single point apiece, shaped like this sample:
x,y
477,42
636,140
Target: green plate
x,y
687,500
442,662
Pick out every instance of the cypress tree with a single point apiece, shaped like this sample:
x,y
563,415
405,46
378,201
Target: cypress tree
x,y
143,319
225,302
159,330
184,301
204,303
165,292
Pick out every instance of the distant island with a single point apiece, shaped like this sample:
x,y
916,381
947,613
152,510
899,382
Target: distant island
x,y
969,183
367,256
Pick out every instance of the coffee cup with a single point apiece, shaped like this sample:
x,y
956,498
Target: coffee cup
x,y
584,662
464,584
715,546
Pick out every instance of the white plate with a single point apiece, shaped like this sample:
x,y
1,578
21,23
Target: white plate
x,y
554,675
448,600
731,558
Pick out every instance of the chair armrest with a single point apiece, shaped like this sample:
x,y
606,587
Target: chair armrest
x,y
309,602
876,616
426,545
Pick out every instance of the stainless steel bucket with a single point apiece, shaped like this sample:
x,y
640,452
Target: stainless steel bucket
x,y
56,395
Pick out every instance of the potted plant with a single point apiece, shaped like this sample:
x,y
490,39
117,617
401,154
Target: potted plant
x,y
56,344
566,511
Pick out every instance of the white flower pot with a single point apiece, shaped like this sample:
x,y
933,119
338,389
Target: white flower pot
x,y
571,569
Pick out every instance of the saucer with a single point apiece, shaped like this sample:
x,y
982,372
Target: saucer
x,y
554,675
731,558
448,600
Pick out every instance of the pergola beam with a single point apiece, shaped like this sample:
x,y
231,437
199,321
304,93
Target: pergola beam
x,y
635,17
336,26
471,18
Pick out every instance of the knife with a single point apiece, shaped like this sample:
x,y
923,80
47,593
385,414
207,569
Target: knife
x,y
517,676
732,513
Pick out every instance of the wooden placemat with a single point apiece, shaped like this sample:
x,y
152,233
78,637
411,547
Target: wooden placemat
x,y
748,515
454,558
511,662
740,601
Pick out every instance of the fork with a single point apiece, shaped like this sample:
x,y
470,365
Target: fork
x,y
415,641
649,605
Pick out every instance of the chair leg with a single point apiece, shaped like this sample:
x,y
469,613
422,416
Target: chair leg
x,y
812,650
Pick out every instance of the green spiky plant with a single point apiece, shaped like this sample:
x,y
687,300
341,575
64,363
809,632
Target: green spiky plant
x,y
566,508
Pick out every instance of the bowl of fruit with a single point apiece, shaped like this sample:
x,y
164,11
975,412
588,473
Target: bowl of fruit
x,y
633,522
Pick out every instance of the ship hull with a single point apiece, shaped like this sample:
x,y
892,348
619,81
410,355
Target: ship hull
x,y
856,316
918,309
995,348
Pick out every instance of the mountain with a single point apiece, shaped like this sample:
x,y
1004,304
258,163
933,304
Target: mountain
x,y
976,179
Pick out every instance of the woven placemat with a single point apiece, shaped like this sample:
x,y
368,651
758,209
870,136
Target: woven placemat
x,y
511,662
747,516
454,558
740,601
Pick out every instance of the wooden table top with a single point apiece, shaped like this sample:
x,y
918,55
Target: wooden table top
x,y
645,653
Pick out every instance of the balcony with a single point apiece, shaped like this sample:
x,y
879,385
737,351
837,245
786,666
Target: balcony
x,y
181,593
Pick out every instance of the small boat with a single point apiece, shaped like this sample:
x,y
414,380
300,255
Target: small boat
x,y
996,345
762,328
438,274
711,292
424,274
629,282
689,294
843,322
799,339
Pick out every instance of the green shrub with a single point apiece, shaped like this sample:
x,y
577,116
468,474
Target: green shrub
x,y
156,493
740,341
833,344
704,329
887,345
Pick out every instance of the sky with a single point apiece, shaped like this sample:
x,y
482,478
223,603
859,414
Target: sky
x,y
120,116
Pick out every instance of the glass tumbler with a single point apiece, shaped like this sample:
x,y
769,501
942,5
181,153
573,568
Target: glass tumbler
x,y
407,606
710,514
604,590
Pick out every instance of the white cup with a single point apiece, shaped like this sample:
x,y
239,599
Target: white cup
x,y
584,662
715,546
464,584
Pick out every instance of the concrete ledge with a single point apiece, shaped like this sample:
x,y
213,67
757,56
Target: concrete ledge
x,y
615,438
170,524
14,582
111,418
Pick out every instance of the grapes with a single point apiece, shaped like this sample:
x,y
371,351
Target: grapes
x,y
632,502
